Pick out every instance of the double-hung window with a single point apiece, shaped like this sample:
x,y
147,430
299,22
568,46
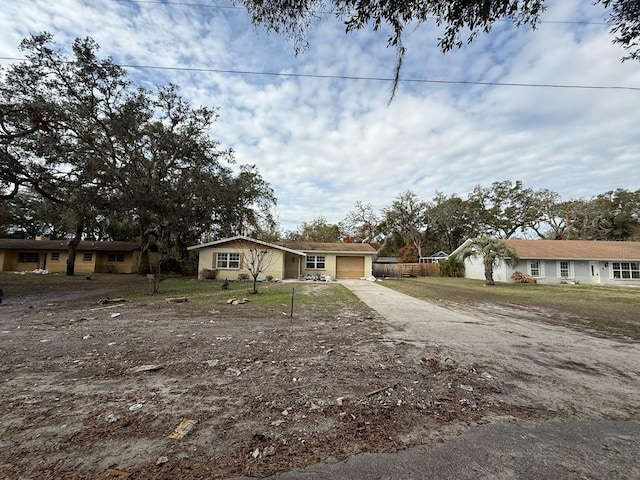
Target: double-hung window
x,y
535,268
227,260
565,269
626,270
87,257
315,262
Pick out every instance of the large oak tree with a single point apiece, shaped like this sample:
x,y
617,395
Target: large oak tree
x,y
123,161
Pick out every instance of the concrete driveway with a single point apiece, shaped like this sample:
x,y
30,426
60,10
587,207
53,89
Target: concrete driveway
x,y
597,378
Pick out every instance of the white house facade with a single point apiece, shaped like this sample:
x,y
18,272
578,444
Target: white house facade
x,y
565,261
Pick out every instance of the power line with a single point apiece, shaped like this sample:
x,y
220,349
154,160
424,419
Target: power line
x,y
374,79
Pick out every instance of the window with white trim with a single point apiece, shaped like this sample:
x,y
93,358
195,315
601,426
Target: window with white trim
x,y
626,270
315,262
535,268
227,260
565,269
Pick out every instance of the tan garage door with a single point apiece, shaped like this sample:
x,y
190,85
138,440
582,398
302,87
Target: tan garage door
x,y
349,267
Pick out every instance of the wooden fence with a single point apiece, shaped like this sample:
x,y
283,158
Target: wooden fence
x,y
397,270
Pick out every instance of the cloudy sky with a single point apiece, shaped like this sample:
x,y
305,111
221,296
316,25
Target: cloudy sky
x,y
324,141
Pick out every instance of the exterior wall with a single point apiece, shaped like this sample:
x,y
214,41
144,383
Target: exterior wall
x,y
579,272
275,265
99,262
474,268
368,265
329,265
129,265
331,261
281,264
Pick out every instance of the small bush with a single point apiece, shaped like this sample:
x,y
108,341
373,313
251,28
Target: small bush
x,y
208,274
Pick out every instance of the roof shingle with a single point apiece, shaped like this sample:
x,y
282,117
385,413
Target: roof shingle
x,y
574,249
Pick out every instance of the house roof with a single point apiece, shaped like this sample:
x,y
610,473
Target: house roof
x,y
84,246
570,249
575,249
240,238
336,247
297,248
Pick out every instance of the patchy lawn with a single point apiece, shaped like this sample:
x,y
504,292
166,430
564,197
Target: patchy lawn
x,y
605,309
95,389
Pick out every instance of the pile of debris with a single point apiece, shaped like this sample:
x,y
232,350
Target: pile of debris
x,y
520,277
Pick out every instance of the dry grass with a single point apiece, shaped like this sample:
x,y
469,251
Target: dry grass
x,y
604,309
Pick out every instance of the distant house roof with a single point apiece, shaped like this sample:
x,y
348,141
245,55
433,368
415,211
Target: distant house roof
x,y
84,246
387,260
571,249
440,254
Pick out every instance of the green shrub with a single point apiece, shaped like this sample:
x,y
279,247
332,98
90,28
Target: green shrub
x,y
452,267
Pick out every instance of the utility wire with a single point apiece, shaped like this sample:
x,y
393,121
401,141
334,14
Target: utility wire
x,y
374,79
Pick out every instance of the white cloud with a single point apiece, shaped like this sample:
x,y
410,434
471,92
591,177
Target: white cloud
x,y
325,143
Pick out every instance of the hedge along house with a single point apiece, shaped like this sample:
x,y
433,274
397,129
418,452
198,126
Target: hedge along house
x,y
286,260
51,255
558,261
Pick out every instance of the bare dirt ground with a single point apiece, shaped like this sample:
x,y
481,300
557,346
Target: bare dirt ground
x,y
86,393
551,365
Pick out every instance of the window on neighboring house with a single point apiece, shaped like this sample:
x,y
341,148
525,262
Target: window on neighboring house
x,y
534,268
565,269
28,257
55,257
626,270
116,257
315,261
87,257
228,260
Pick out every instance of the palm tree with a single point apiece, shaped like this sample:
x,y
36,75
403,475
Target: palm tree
x,y
492,251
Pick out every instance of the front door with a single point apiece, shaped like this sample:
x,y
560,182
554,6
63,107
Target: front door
x,y
292,266
594,268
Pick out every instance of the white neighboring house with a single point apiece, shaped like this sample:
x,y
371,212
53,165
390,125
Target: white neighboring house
x,y
557,261
286,259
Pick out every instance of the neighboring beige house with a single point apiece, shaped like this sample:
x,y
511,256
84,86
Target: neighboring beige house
x,y
556,261
51,255
286,260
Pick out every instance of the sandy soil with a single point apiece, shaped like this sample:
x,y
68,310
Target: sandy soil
x,y
550,367
95,391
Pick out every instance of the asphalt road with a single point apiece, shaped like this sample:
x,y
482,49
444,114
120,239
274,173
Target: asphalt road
x,y
549,450
579,450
